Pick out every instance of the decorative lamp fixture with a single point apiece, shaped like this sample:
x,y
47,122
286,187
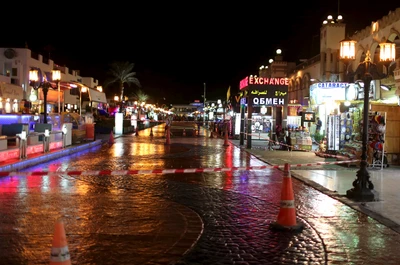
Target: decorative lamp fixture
x,y
387,51
362,187
44,84
33,76
348,49
56,75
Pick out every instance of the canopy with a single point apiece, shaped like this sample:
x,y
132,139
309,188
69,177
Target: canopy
x,y
97,96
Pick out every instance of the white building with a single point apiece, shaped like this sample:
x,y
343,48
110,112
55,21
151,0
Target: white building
x,y
15,64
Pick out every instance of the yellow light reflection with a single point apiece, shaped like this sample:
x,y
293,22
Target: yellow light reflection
x,y
324,205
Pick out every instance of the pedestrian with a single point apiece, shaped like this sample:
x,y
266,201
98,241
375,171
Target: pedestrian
x,y
168,122
319,125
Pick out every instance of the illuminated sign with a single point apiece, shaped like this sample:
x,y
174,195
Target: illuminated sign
x,y
272,96
331,85
254,80
268,101
327,92
244,83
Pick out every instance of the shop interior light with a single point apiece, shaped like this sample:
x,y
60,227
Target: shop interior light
x,y
347,103
386,88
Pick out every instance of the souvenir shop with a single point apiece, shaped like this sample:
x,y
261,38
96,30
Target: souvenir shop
x,y
340,106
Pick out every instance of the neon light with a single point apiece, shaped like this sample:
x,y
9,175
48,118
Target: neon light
x,y
254,80
281,81
244,83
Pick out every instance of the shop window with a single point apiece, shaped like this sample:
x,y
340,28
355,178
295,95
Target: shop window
x,y
14,72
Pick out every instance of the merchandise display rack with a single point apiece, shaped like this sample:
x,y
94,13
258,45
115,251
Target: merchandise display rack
x,y
376,141
376,155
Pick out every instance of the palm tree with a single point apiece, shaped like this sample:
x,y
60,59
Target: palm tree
x,y
140,97
122,73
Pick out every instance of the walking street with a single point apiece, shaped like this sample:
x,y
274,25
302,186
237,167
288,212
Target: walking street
x,y
196,200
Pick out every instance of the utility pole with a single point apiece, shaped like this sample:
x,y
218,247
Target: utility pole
x,y
204,106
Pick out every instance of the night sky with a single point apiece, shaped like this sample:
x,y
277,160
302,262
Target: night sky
x,y
177,48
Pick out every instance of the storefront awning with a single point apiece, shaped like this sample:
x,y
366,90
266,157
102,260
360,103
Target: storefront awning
x,y
52,96
11,91
97,96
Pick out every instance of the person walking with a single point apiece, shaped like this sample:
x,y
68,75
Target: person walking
x,y
319,125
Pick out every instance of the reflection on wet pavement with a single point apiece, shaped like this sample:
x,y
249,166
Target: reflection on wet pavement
x,y
154,218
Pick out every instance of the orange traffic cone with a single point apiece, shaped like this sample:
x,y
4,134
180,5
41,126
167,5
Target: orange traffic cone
x,y
59,250
226,142
287,215
111,139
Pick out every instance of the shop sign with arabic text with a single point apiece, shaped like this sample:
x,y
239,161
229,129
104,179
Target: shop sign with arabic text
x,y
273,96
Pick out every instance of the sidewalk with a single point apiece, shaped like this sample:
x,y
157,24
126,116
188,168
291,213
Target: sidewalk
x,y
334,180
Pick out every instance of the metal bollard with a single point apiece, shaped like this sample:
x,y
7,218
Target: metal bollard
x,y
46,141
64,138
22,143
22,148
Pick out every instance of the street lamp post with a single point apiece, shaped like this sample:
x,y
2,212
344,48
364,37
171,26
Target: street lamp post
x,y
44,84
362,186
83,89
56,75
204,106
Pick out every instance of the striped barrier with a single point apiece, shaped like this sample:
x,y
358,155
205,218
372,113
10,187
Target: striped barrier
x,y
160,171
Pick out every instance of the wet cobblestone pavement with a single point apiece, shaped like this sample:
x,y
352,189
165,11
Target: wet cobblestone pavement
x,y
206,218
